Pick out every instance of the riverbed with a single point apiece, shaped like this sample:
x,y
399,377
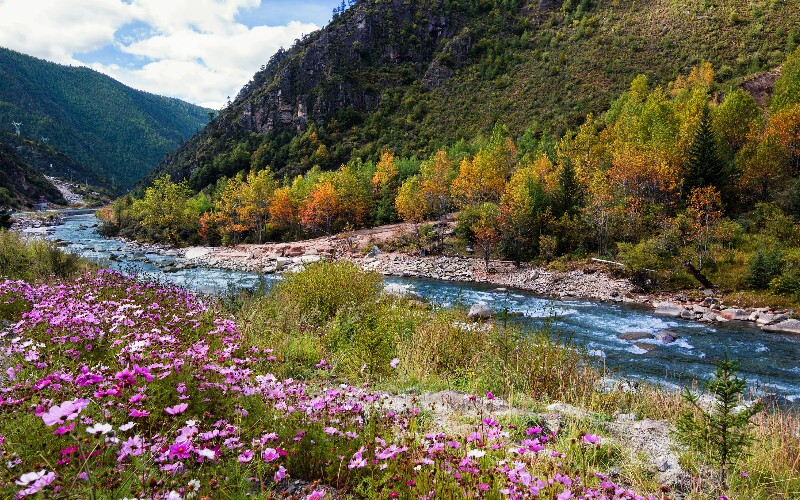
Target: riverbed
x,y
769,361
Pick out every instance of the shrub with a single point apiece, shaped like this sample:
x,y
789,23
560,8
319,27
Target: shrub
x,y
323,290
764,266
34,259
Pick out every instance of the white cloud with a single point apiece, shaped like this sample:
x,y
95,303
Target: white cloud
x,y
194,49
58,29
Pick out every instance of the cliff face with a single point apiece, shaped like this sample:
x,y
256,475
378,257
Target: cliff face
x,y
342,69
413,75
328,75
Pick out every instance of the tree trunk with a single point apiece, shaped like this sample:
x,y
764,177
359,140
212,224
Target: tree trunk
x,y
698,275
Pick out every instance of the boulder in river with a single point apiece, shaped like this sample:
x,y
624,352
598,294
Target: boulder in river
x,y
646,347
479,311
787,326
635,336
666,336
668,309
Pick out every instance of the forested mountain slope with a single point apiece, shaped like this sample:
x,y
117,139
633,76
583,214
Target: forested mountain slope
x,y
119,133
21,185
412,75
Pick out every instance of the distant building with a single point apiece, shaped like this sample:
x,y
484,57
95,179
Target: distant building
x,y
42,205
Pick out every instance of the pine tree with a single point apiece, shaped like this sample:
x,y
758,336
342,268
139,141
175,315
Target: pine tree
x,y
570,196
704,166
721,433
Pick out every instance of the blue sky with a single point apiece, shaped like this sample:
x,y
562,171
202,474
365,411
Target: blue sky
x,y
201,51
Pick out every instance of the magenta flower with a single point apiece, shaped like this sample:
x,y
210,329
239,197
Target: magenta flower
x,y
139,413
180,450
245,456
68,410
279,474
591,439
270,455
394,363
175,410
64,429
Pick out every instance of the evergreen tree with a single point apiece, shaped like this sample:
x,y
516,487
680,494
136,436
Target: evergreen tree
x,y
704,166
721,433
570,195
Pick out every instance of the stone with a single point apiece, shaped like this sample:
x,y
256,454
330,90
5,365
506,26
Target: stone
x,y
374,252
735,314
668,309
400,292
687,314
646,347
635,336
479,311
768,319
666,336
786,326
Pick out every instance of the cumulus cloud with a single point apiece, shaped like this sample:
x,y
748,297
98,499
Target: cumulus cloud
x,y
195,50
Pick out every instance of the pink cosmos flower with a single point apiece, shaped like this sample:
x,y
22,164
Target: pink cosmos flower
x,y
394,363
591,439
180,450
64,429
68,410
139,413
279,474
34,482
175,410
270,455
316,495
245,456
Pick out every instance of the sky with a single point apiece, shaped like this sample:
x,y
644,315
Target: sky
x,y
201,51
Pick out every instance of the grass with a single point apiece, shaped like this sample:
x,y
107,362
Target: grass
x,y
325,332
34,259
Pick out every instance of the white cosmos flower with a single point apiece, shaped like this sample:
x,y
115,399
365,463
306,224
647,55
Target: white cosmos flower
x,y
99,428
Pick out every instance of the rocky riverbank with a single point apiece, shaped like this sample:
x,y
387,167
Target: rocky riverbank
x,y
711,310
586,283
35,222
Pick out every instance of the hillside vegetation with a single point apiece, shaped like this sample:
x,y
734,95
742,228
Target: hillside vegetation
x,y
683,185
413,76
22,185
119,133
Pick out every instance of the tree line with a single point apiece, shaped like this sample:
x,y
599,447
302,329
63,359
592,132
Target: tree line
x,y
664,172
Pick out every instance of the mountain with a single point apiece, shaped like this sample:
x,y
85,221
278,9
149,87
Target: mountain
x,y
118,133
22,185
412,75
49,161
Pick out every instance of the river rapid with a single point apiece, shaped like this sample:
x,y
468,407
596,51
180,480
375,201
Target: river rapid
x,y
769,361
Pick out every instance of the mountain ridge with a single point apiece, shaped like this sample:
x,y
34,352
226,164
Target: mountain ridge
x,y
412,76
117,132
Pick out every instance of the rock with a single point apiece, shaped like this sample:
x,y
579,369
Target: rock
x,y
687,314
786,326
282,263
295,251
646,347
569,410
400,292
635,336
668,309
681,297
479,311
310,258
768,319
374,252
735,314
652,438
666,336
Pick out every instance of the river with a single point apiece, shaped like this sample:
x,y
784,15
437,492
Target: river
x,y
769,361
